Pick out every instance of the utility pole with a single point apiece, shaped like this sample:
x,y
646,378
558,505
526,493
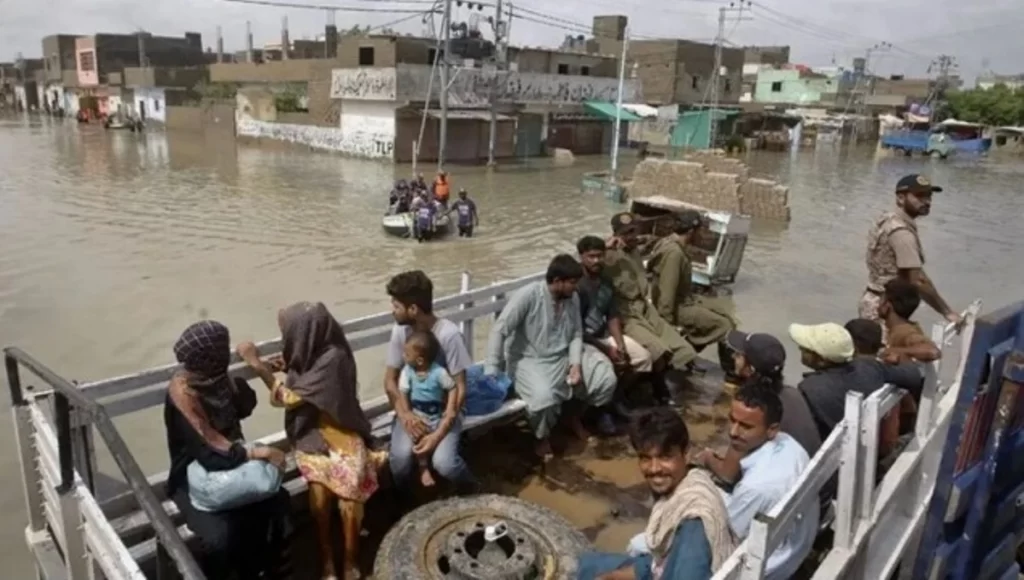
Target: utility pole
x,y
142,48
618,106
943,65
500,60
446,23
717,73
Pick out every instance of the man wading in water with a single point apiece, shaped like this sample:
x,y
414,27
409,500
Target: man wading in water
x,y
894,249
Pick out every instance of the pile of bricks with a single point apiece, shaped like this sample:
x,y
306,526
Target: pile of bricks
x,y
714,182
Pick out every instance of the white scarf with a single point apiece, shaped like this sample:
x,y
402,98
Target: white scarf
x,y
696,497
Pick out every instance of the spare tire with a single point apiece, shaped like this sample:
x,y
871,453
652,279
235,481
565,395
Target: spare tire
x,y
442,540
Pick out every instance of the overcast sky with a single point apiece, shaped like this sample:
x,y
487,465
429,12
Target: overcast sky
x,y
982,34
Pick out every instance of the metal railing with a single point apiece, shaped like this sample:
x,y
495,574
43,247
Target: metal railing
x,y
66,397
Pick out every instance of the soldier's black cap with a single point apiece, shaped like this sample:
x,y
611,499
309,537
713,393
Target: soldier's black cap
x,y
623,220
916,183
688,220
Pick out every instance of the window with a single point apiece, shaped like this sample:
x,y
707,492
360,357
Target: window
x,y
87,61
728,86
694,82
777,87
156,105
585,71
365,56
431,55
563,69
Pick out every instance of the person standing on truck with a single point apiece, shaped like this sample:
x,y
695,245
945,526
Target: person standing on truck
x,y
672,286
894,249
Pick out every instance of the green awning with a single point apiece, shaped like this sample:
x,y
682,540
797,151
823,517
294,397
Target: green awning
x,y
607,111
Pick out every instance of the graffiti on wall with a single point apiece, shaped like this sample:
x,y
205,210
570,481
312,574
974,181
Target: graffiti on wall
x,y
472,87
368,84
355,143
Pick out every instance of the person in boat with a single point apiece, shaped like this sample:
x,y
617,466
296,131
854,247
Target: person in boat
x,y
894,249
423,219
203,411
828,351
412,305
602,325
324,422
760,359
905,343
687,535
442,188
538,338
672,286
420,184
466,210
625,270
761,465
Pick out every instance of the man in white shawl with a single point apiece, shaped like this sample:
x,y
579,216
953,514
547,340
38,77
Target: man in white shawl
x,y
687,535
539,338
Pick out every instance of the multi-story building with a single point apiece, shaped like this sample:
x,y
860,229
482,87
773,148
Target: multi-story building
x,y
102,58
148,91
673,71
59,58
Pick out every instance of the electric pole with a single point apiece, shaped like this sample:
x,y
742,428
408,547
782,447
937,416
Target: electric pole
x,y
446,23
717,73
618,106
500,57
142,48
943,65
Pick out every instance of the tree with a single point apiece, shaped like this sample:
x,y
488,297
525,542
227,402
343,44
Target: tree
x,y
997,106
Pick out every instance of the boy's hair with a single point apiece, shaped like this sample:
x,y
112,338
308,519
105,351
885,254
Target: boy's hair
x,y
903,296
425,343
866,334
659,428
590,244
413,288
563,267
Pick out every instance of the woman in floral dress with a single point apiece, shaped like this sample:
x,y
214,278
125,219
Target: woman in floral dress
x,y
324,422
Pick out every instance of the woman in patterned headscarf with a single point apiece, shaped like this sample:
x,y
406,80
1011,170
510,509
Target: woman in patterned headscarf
x,y
202,414
324,422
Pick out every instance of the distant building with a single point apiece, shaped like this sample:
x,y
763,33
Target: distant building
x,y
776,56
1013,82
673,71
798,85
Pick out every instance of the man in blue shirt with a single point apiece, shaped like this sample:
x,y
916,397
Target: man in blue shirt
x,y
466,210
761,466
687,536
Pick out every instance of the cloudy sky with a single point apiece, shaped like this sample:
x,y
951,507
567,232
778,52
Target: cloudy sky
x,y
982,35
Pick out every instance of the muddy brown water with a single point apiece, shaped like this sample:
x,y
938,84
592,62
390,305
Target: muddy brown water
x,y
113,242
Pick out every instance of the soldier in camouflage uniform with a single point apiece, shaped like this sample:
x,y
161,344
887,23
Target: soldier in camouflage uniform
x,y
894,249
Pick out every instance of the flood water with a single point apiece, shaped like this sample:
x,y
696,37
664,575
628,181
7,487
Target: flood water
x,y
111,243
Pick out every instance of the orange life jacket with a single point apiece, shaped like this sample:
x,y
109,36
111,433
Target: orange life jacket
x,y
441,189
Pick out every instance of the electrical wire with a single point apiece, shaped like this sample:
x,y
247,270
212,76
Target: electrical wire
x,y
333,7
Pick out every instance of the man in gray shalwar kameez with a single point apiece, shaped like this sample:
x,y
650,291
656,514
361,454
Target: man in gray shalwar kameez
x,y
539,337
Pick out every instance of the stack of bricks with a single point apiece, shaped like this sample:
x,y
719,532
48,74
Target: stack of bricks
x,y
765,199
714,182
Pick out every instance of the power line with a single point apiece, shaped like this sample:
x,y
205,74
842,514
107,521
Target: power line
x,y
334,7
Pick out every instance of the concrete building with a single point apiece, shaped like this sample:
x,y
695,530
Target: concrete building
x,y
148,91
59,59
797,86
102,58
898,92
28,73
776,56
673,70
1013,82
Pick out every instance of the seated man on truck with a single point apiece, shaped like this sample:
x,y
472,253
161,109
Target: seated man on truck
x,y
672,286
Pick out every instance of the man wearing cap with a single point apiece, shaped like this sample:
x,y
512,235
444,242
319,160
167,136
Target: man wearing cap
x,y
760,359
625,270
672,286
894,249
828,350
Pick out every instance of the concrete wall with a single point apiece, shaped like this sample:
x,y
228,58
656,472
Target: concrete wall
x,y
324,138
86,45
914,89
368,128
211,118
770,55
387,50
286,71
537,60
186,77
472,87
59,54
679,71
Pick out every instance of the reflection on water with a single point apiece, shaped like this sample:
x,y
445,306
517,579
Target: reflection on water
x,y
114,242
